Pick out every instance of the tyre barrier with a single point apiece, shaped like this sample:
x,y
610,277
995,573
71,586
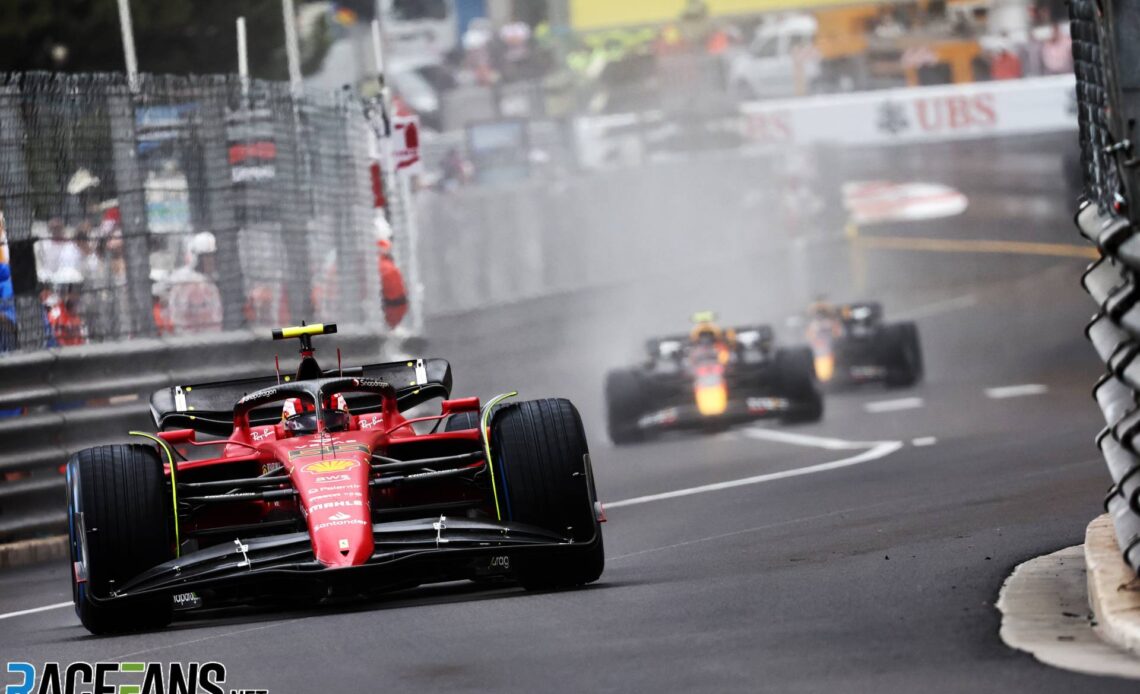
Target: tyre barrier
x,y
75,397
1106,109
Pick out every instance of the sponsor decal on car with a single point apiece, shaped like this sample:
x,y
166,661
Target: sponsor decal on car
x,y
267,395
662,418
328,449
331,466
186,601
333,478
336,504
119,678
331,495
371,422
370,383
867,372
337,520
767,404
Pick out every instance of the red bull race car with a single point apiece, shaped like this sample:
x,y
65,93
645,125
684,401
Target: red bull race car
x,y
851,345
317,485
711,379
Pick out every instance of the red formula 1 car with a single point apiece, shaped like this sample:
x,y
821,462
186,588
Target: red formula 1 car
x,y
315,485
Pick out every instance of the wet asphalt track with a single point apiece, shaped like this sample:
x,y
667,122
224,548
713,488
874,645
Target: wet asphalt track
x,y
875,577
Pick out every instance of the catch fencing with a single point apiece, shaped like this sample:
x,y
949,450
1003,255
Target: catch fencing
x,y
1105,57
152,237
192,205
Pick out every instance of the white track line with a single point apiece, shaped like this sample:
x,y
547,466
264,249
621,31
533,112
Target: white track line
x,y
1021,391
45,608
807,440
874,451
923,441
898,405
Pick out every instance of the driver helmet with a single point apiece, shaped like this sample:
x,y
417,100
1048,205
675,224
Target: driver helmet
x,y
337,416
821,308
707,333
299,419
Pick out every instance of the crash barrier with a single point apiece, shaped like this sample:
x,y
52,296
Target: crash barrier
x,y
108,193
58,401
1106,89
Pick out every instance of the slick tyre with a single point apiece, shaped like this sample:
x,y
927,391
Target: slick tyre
x,y
462,421
541,460
904,354
119,521
624,405
797,372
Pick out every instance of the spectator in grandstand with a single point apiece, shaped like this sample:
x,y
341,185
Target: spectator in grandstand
x,y
106,303
694,25
1005,63
1057,52
195,302
393,295
478,61
888,26
457,170
8,336
63,304
56,253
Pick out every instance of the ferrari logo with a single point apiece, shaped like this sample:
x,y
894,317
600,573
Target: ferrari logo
x,y
331,466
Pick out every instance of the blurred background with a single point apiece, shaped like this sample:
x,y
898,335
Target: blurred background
x,y
560,145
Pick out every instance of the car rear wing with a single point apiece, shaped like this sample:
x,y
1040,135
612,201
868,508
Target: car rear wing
x,y
209,407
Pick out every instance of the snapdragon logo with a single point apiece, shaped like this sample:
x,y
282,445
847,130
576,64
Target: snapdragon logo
x,y
120,678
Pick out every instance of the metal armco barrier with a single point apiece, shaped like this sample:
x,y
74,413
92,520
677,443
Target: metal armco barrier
x,y
1108,217
84,396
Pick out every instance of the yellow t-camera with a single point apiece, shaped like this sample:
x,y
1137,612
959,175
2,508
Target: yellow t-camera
x,y
304,330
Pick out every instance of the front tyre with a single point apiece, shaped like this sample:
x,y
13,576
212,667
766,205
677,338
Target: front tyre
x,y
796,369
624,406
119,523
905,367
542,462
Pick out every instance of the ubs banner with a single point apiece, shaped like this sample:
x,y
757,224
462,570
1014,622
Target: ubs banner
x,y
984,109
878,118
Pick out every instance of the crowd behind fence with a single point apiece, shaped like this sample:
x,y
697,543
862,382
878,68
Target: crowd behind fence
x,y
192,205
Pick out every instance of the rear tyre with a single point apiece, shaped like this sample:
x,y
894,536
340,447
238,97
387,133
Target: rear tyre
x,y
119,522
624,405
796,368
904,354
541,462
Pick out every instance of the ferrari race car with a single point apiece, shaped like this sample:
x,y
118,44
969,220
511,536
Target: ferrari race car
x,y
851,345
711,378
316,485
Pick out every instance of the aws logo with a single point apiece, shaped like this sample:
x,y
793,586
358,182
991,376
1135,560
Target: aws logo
x,y
327,466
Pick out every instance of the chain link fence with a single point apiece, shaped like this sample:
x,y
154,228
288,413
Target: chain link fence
x,y
194,205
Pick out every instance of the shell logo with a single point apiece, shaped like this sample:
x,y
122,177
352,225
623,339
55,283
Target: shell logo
x,y
331,466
